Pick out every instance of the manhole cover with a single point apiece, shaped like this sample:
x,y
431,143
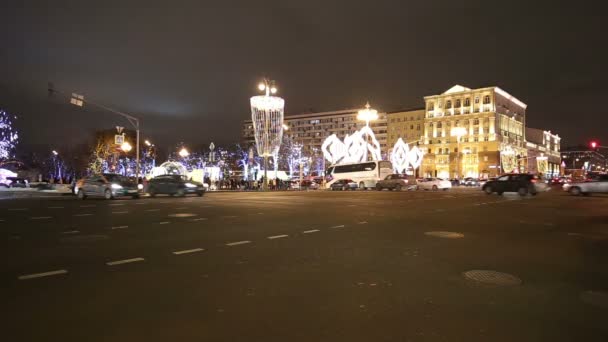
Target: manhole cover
x,y
84,238
445,235
182,215
492,277
595,298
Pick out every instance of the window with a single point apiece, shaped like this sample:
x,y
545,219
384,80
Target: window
x,y
418,127
439,125
475,130
466,122
476,99
467,101
486,99
448,104
503,178
411,126
399,120
431,106
476,122
455,149
439,150
393,120
457,103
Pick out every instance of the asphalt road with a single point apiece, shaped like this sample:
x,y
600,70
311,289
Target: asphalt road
x,y
306,266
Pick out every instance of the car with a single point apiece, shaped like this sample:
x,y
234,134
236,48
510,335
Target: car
x,y
108,186
344,184
470,181
434,184
174,185
309,185
396,182
598,185
16,182
522,183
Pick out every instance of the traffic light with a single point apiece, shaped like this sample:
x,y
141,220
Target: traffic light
x,y
593,144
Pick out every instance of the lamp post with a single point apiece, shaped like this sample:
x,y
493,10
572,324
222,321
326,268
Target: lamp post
x,y
368,114
79,101
458,132
267,116
184,153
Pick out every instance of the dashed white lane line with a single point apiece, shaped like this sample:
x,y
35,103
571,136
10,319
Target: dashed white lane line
x,y
310,231
17,209
152,209
56,207
120,212
237,243
40,217
277,237
81,215
140,203
363,222
120,227
187,251
71,232
164,222
199,219
340,226
125,261
116,204
43,274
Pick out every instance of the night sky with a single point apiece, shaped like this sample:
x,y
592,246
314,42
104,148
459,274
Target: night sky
x,y
188,69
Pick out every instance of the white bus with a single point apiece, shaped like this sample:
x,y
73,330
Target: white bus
x,y
365,174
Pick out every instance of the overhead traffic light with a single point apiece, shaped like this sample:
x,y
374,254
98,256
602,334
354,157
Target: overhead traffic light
x,y
593,144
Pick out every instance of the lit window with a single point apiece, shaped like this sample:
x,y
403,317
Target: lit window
x,y
457,103
431,106
439,125
486,99
448,104
476,122
476,99
411,126
467,101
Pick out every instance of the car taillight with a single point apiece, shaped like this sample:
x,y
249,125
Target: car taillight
x,y
533,180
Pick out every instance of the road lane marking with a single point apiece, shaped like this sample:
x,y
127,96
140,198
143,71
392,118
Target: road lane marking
x,y
237,243
125,261
164,222
119,212
120,227
81,215
310,231
56,207
43,274
18,209
140,203
181,208
199,219
163,202
41,217
340,226
152,209
230,216
71,232
116,204
187,251
88,206
277,237
363,222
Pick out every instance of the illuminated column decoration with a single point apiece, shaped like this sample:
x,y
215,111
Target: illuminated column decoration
x,y
267,115
508,158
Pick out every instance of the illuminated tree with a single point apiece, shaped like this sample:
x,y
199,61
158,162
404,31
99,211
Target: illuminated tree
x,y
8,135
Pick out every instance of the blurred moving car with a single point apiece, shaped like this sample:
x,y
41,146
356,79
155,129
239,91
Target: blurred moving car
x,y
16,182
522,183
344,184
455,181
309,185
108,186
597,185
174,185
396,182
470,181
434,184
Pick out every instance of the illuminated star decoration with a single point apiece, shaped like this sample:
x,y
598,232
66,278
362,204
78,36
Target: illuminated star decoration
x,y
353,149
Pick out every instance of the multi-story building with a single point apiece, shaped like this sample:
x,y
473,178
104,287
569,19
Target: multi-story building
x,y
543,152
406,124
489,137
312,129
580,159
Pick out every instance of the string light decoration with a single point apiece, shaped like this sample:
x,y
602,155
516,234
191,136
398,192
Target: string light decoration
x,y
267,115
402,156
508,158
9,137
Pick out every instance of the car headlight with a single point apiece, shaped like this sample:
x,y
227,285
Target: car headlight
x,y
140,186
116,186
190,185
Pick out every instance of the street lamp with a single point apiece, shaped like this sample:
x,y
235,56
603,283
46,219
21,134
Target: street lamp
x,y
126,147
458,132
184,152
267,113
55,153
147,142
368,114
79,101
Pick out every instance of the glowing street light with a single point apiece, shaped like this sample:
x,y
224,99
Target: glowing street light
x,y
184,152
367,114
55,153
126,147
148,143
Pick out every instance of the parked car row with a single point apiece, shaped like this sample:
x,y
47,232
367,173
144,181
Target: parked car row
x,y
396,182
110,186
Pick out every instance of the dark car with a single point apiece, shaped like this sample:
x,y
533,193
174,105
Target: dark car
x,y
16,182
344,184
108,186
393,182
470,181
174,185
522,183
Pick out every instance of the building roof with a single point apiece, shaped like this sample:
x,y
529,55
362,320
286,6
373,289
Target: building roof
x,y
405,110
457,89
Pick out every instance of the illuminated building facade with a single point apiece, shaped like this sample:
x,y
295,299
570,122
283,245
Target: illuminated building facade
x,y
543,152
405,124
491,138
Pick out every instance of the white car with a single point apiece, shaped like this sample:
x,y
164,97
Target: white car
x,y
434,184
